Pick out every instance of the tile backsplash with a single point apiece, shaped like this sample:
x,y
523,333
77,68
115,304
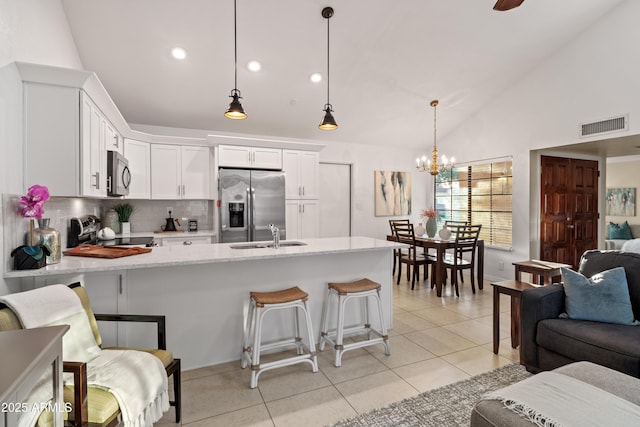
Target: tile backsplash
x,y
149,216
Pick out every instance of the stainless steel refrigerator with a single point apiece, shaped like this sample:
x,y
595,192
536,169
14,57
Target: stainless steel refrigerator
x,y
250,200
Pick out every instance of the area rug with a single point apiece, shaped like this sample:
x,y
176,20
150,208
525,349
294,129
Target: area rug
x,y
448,406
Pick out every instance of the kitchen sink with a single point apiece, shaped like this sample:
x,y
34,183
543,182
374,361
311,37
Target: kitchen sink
x,y
266,245
285,244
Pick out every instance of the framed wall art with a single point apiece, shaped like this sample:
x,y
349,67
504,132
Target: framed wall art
x,y
392,193
621,202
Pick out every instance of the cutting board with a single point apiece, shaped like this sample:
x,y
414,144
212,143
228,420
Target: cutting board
x,y
106,251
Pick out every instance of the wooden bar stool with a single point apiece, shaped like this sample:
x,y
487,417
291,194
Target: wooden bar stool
x,y
261,303
363,288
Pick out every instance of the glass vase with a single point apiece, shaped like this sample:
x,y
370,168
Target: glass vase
x,y
49,237
431,226
31,238
444,233
111,221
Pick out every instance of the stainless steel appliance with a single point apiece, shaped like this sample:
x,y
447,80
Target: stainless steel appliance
x,y
82,230
118,174
250,200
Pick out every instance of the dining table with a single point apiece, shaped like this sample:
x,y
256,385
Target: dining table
x,y
441,246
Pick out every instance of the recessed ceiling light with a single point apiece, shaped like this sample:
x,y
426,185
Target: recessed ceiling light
x,y
254,66
178,53
315,77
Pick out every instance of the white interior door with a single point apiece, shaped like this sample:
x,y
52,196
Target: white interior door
x,y
335,200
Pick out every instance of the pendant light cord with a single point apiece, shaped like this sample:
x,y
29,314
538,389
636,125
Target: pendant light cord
x,y
235,47
328,47
434,126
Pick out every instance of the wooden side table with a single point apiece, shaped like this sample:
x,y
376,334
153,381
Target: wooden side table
x,y
27,354
542,272
512,288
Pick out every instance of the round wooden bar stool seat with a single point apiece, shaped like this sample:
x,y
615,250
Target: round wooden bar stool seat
x,y
260,303
362,289
278,297
361,285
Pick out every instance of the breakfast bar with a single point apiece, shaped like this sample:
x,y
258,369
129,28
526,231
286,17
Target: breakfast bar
x,y
203,290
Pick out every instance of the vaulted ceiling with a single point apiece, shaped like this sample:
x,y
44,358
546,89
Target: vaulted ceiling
x,y
389,59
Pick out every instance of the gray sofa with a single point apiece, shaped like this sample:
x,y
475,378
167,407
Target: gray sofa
x,y
493,413
548,342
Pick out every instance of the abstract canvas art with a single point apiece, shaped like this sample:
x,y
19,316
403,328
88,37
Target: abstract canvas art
x,y
392,193
621,201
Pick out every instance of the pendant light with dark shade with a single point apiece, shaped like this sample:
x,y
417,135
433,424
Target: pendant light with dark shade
x,y
235,110
328,123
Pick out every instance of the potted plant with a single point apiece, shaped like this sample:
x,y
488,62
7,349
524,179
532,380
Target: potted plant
x,y
124,211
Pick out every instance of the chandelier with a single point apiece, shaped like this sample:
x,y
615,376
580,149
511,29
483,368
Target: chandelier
x,y
432,165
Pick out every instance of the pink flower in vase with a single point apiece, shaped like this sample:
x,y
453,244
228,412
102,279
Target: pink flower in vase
x,y
31,204
429,213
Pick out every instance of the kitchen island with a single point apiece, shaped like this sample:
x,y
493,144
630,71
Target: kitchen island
x,y
203,290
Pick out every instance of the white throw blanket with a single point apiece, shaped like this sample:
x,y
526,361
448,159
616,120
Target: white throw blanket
x,y
137,379
550,399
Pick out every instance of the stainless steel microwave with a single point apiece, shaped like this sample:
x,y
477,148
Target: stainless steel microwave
x,y
118,174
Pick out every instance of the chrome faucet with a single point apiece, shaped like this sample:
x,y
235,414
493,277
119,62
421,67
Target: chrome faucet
x,y
275,232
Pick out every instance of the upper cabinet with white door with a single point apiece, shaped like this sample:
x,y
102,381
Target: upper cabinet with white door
x,y
180,172
112,138
62,141
239,156
138,153
68,127
301,168
92,149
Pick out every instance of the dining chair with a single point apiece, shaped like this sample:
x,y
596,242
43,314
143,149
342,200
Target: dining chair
x,y
464,254
454,225
396,252
412,257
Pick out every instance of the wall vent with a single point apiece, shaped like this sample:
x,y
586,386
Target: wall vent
x,y
604,126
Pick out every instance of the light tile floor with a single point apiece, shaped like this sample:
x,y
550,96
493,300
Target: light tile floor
x,y
434,342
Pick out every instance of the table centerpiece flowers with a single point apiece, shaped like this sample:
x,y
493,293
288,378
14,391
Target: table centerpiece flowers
x,y
429,218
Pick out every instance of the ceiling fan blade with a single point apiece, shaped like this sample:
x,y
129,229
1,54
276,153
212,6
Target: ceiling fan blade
x,y
503,5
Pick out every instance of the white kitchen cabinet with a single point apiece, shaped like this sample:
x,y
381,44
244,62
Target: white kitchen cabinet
x,y
138,153
184,240
166,179
240,156
63,141
180,172
196,173
301,168
302,219
112,138
93,163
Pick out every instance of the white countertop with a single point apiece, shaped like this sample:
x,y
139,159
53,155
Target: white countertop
x,y
204,254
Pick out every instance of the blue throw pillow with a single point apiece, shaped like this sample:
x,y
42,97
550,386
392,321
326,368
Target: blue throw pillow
x,y
602,298
619,232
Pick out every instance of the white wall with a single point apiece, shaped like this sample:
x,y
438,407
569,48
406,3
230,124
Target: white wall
x,y
365,160
30,31
594,77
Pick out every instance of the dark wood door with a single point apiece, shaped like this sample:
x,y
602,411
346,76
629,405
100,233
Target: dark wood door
x,y
568,208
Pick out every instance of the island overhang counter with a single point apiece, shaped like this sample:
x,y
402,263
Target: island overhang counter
x,y
203,290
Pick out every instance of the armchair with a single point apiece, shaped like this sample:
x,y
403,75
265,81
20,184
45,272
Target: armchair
x,y
93,405
548,341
